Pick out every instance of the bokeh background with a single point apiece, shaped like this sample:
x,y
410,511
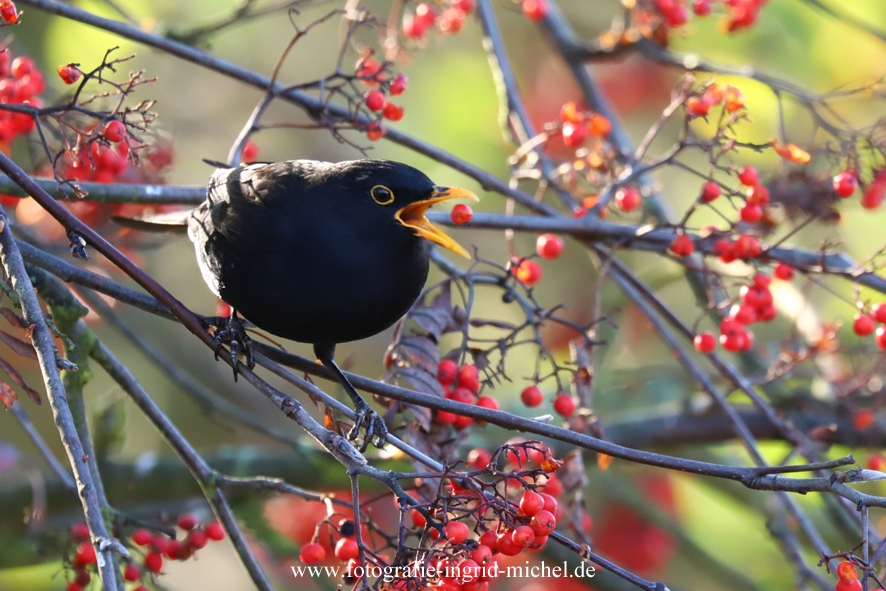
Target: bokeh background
x,y
703,526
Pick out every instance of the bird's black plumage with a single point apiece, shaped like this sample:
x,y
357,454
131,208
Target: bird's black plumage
x,y
302,250
318,252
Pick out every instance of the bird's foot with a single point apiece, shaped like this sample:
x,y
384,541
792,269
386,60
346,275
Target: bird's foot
x,y
230,331
375,430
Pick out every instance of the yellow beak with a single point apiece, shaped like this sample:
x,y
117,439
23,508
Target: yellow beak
x,y
413,216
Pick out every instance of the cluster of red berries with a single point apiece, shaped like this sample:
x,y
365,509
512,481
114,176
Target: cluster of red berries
x,y
846,183
461,384
532,396
21,83
158,546
9,12
755,306
699,105
83,559
425,17
847,577
375,76
576,126
866,324
740,14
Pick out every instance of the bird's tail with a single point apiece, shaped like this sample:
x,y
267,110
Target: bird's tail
x,y
175,222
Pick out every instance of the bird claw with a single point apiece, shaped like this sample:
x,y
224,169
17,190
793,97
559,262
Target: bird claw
x,y
376,430
231,331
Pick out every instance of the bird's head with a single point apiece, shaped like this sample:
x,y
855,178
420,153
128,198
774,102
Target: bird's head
x,y
404,194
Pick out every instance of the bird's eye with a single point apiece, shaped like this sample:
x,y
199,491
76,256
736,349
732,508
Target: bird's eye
x,y
382,195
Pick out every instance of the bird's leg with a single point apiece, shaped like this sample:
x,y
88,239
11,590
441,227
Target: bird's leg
x,y
232,331
376,431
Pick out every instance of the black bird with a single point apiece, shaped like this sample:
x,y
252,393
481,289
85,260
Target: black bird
x,y
318,253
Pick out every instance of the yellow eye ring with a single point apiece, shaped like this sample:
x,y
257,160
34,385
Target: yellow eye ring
x,y
382,195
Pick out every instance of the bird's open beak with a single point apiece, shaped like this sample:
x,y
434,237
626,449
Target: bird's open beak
x,y
413,216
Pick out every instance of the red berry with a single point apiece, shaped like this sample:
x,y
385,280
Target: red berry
x,y
758,195
347,549
543,523
115,131
523,536
682,245
744,314
418,520
456,532
724,250
196,539
466,6
751,213
311,553
21,67
846,571
392,112
482,554
535,10
878,311
462,395
701,7
527,272
873,194
506,545
142,537
462,213
784,271
531,396
710,191
446,371
452,20
762,280
748,176
215,531
73,586
549,246
564,405
854,585
598,125
487,402
69,74
398,84
488,539
767,314
444,417
187,522
79,532
153,562
131,573
469,377
85,555
375,132
845,184
863,325
375,100
756,298
250,151
531,503
705,342
628,199
479,458
698,105
551,504
8,12
747,247
574,135
880,337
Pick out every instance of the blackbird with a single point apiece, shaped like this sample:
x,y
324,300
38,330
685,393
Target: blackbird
x,y
317,252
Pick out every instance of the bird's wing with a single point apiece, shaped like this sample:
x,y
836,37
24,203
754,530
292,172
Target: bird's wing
x,y
242,204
